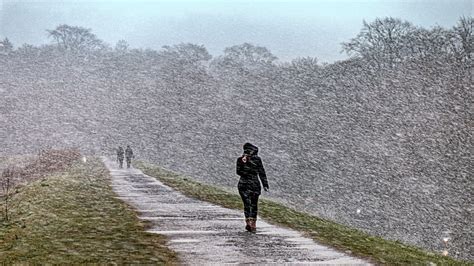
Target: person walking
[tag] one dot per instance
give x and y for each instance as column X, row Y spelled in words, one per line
column 129, row 155
column 120, row 153
column 251, row 172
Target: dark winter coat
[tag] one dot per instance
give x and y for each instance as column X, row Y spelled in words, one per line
column 250, row 169
column 120, row 153
column 128, row 153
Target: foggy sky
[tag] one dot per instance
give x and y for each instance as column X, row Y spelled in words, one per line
column 288, row 28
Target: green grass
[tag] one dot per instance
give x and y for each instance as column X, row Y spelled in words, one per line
column 73, row 217
column 376, row 249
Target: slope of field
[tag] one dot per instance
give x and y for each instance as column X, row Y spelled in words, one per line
column 74, row 217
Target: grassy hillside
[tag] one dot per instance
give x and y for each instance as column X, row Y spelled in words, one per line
column 341, row 237
column 73, row 217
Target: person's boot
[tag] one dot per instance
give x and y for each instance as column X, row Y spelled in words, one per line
column 253, row 224
column 248, row 227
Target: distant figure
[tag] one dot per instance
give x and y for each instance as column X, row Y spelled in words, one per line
column 250, row 169
column 129, row 155
column 120, row 153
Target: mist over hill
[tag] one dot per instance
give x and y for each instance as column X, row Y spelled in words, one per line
column 388, row 131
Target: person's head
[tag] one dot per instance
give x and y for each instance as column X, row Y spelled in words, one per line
column 250, row 149
column 128, row 146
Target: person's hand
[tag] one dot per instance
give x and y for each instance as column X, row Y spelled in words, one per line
column 266, row 189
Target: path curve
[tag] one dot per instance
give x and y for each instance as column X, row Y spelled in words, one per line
column 204, row 233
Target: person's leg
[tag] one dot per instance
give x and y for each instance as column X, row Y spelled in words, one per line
column 121, row 163
column 128, row 162
column 254, row 205
column 253, row 210
column 246, row 200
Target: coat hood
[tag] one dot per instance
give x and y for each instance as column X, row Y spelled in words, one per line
column 250, row 149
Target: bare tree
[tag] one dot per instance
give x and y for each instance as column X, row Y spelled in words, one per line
column 121, row 46
column 384, row 41
column 250, row 54
column 463, row 40
column 6, row 46
column 302, row 71
column 430, row 44
column 184, row 64
column 244, row 59
column 75, row 38
column 185, row 53
column 305, row 64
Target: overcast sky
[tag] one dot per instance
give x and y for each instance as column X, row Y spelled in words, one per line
column 288, row 28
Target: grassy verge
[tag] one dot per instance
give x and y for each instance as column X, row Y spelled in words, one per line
column 73, row 217
column 344, row 238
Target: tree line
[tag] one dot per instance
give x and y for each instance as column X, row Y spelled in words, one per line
column 384, row 42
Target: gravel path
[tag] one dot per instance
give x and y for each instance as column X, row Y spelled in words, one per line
column 203, row 233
